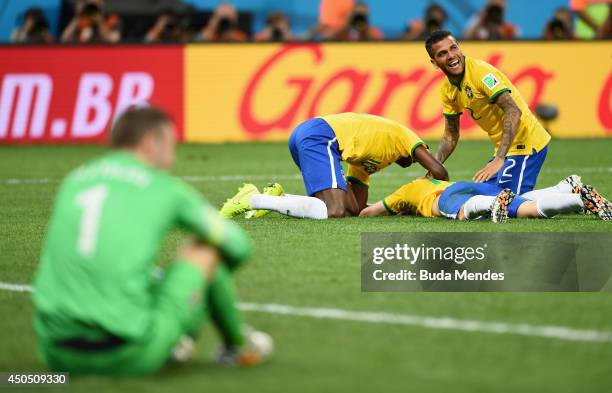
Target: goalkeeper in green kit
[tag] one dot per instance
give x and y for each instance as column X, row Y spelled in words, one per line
column 98, row 307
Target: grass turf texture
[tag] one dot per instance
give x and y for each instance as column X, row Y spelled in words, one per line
column 316, row 263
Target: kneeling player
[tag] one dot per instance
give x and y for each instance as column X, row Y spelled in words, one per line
column 468, row 201
column 368, row 143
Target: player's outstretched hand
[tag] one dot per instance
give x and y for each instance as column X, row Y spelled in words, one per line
column 489, row 170
column 428, row 175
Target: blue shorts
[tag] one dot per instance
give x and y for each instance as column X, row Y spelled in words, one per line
column 455, row 196
column 520, row 173
column 315, row 150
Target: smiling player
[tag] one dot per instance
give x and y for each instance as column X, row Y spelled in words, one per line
column 521, row 143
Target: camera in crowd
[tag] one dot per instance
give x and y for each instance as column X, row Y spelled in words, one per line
column 435, row 18
column 36, row 27
column 494, row 15
column 225, row 24
column 558, row 29
column 359, row 21
column 278, row 23
column 560, row 26
column 90, row 14
column 175, row 27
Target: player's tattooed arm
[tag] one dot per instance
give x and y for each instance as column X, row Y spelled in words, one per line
column 449, row 139
column 512, row 117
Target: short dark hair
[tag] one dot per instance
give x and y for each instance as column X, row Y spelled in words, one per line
column 133, row 124
column 435, row 37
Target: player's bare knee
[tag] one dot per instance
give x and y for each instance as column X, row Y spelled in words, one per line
column 335, row 211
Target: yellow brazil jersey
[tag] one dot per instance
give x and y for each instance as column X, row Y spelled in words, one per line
column 370, row 143
column 477, row 91
column 416, row 198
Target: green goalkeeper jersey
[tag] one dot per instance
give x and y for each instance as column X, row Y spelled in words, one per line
column 109, row 220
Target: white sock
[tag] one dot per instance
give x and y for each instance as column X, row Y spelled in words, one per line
column 477, row 206
column 561, row 188
column 559, row 203
column 294, row 206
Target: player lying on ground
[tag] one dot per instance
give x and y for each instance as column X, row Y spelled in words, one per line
column 469, row 201
column 521, row 142
column 97, row 307
column 368, row 143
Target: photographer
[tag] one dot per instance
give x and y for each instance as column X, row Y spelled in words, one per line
column 491, row 25
column 435, row 18
column 358, row 26
column 170, row 27
column 35, row 29
column 223, row 26
column 560, row 26
column 277, row 29
column 90, row 25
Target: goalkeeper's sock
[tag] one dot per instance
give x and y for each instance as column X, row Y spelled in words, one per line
column 558, row 204
column 477, row 206
column 221, row 301
column 294, row 205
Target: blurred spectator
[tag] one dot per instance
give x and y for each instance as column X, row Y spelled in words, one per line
column 560, row 26
column 434, row 19
column 35, row 29
column 490, row 24
column 333, row 15
column 277, row 29
column 593, row 18
column 90, row 25
column 170, row 27
column 358, row 26
column 223, row 26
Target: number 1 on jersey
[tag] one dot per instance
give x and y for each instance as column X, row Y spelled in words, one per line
column 91, row 201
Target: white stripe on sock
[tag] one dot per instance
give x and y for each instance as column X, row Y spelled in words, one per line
column 331, row 163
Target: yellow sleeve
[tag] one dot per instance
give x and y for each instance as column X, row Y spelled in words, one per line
column 449, row 103
column 358, row 175
column 490, row 81
column 414, row 141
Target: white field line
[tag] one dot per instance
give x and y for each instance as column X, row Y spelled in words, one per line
column 7, row 286
column 464, row 325
column 271, row 177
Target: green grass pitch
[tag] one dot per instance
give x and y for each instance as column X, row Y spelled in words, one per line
column 317, row 264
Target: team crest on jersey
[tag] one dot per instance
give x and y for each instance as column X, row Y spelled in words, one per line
column 468, row 91
column 490, row 81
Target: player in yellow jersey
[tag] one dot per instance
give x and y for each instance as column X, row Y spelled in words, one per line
column 368, row 143
column 466, row 201
column 521, row 143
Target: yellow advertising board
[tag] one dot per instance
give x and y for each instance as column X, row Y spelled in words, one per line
column 260, row 92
